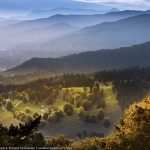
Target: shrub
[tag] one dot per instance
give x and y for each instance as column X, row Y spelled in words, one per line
column 84, row 132
column 19, row 114
column 106, row 122
column 25, row 120
column 69, row 112
column 76, row 96
column 9, row 106
column 53, row 118
column 16, row 113
column 93, row 134
column 35, row 115
column 27, row 110
column 92, row 119
column 86, row 118
column 100, row 114
column 45, row 116
column 59, row 113
column 68, row 106
column 60, row 87
column 29, row 117
column 96, row 134
column 81, row 111
column 99, row 134
column 79, row 134
column 4, row 102
column 85, row 105
column 24, row 100
column 78, row 103
column 21, row 118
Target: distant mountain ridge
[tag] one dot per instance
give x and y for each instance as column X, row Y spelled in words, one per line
column 91, row 61
column 73, row 20
column 35, row 34
column 125, row 32
column 35, row 14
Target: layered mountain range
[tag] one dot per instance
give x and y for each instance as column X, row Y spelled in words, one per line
column 137, row 55
column 62, row 35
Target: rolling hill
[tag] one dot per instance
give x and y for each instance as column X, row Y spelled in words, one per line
column 90, row 61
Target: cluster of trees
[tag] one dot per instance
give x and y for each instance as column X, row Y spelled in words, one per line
column 66, row 80
column 43, row 89
column 131, row 134
column 130, row 91
column 85, row 99
column 99, row 116
column 68, row 109
column 84, row 134
column 48, row 94
column 27, row 115
column 7, row 104
column 126, row 136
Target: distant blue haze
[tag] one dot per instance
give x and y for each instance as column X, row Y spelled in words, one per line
column 22, row 7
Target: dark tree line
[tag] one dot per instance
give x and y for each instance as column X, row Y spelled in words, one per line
column 130, row 91
column 38, row 89
column 123, row 74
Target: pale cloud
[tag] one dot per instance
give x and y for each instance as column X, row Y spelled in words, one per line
column 130, row 2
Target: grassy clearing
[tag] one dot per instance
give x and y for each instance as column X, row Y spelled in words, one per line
column 69, row 125
column 6, row 118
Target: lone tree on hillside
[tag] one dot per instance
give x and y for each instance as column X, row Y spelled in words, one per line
column 100, row 114
column 85, row 104
column 67, row 107
column 9, row 106
column 106, row 122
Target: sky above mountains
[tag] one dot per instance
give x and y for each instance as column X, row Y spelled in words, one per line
column 22, row 7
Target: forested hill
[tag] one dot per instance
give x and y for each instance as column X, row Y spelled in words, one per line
column 92, row 61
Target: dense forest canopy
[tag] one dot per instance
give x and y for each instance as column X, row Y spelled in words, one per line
column 123, row 74
column 66, row 80
column 130, row 84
